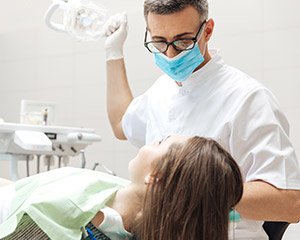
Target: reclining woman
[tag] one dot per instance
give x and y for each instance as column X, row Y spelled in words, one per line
column 181, row 188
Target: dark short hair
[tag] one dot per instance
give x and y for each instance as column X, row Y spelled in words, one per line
column 164, row 7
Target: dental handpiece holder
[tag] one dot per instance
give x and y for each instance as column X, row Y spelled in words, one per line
column 19, row 141
column 82, row 19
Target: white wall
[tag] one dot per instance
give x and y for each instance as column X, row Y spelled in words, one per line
column 260, row 37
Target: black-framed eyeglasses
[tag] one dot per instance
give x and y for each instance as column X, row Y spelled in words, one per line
column 182, row 44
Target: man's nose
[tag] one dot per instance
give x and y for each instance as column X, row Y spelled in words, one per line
column 171, row 52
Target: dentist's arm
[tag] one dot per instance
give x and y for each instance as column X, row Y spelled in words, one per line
column 262, row 201
column 119, row 94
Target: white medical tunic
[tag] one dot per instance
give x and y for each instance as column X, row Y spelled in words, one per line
column 223, row 103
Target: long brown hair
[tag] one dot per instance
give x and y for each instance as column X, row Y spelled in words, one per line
column 198, row 182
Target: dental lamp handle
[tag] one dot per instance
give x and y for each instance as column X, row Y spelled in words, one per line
column 54, row 6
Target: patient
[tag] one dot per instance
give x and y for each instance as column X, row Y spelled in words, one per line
column 181, row 188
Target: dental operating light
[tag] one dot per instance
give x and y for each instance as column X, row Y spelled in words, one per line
column 82, row 19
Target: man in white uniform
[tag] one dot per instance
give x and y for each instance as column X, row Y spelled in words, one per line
column 200, row 95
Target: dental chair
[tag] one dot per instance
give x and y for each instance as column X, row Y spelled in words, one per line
column 28, row 229
column 275, row 230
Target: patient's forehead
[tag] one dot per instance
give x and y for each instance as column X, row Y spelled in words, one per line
column 164, row 144
column 175, row 139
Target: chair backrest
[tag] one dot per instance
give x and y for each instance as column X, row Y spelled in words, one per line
column 275, row 230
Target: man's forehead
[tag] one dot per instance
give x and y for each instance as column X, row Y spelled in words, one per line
column 173, row 24
column 187, row 15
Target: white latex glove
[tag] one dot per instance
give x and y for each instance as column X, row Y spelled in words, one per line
column 115, row 30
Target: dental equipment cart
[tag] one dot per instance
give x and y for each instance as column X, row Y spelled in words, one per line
column 25, row 141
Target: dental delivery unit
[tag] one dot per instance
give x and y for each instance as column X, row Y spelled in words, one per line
column 25, row 141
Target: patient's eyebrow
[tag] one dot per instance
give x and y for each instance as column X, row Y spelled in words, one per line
column 164, row 139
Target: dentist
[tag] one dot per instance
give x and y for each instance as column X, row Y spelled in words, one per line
column 200, row 95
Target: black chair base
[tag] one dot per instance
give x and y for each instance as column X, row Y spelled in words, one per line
column 275, row 230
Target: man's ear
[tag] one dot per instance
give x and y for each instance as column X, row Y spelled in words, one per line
column 149, row 179
column 209, row 29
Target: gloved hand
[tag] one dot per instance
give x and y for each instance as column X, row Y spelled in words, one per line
column 115, row 29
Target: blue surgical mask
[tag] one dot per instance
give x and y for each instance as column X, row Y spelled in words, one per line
column 181, row 66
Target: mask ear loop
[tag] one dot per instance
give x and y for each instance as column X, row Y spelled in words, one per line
column 200, row 35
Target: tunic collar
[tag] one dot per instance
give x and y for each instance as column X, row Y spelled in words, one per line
column 203, row 74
